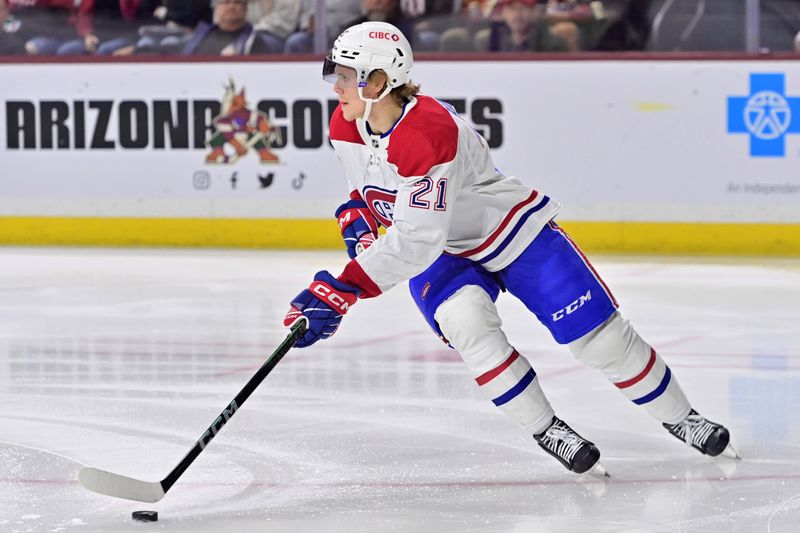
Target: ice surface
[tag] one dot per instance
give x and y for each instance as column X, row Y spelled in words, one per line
column 120, row 359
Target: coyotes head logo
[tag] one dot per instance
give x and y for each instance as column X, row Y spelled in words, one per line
column 238, row 129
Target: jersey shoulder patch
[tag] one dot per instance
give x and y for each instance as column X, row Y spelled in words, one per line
column 344, row 131
column 427, row 137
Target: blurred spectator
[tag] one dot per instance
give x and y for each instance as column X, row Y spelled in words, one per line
column 184, row 13
column 629, row 30
column 384, row 11
column 780, row 20
column 274, row 20
column 431, row 19
column 337, row 14
column 10, row 41
column 797, row 42
column 230, row 34
column 80, row 27
column 109, row 25
column 522, row 28
column 564, row 17
column 472, row 31
column 177, row 19
column 41, row 26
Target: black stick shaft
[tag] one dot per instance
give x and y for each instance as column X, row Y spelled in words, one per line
column 297, row 331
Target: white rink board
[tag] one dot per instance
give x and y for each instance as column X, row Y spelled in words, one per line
column 613, row 141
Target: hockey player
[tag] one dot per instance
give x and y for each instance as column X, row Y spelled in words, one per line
column 461, row 232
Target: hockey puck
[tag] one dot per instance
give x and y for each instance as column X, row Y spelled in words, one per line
column 145, row 516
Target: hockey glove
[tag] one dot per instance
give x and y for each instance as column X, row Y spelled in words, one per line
column 322, row 305
column 359, row 228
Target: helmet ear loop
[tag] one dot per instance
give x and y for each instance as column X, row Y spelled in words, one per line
column 370, row 101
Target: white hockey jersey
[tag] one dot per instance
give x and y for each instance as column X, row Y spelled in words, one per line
column 431, row 181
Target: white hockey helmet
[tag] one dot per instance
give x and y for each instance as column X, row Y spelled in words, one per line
column 367, row 47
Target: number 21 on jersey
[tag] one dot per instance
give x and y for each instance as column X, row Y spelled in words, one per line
column 423, row 188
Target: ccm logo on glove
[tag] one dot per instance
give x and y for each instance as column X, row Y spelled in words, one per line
column 359, row 228
column 292, row 315
column 322, row 304
column 340, row 302
column 345, row 219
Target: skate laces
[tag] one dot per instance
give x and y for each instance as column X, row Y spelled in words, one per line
column 562, row 440
column 694, row 430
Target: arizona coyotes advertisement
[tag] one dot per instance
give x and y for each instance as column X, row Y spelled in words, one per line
column 228, row 140
column 239, row 129
column 686, row 141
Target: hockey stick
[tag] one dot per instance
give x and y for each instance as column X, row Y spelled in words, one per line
column 119, row 486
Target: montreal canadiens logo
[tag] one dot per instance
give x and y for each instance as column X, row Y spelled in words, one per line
column 384, row 35
column 381, row 203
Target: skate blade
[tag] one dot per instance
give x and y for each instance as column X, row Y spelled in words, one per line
column 730, row 453
column 598, row 471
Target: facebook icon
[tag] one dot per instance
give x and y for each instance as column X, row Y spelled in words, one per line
column 766, row 114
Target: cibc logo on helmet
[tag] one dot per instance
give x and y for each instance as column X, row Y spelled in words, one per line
column 384, row 35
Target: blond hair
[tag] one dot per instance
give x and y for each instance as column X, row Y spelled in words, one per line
column 404, row 92
column 401, row 93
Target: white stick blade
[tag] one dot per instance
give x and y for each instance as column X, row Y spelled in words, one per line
column 119, row 486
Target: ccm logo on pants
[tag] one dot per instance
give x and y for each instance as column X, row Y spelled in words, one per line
column 571, row 308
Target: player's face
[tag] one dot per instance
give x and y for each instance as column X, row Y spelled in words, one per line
column 346, row 88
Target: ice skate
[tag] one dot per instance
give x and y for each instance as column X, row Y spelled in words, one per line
column 573, row 451
column 703, row 435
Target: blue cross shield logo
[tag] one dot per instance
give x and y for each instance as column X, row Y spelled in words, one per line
column 767, row 115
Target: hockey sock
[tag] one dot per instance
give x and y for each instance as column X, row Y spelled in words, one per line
column 469, row 321
column 634, row 367
column 514, row 387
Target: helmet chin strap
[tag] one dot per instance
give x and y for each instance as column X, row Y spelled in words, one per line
column 370, row 101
